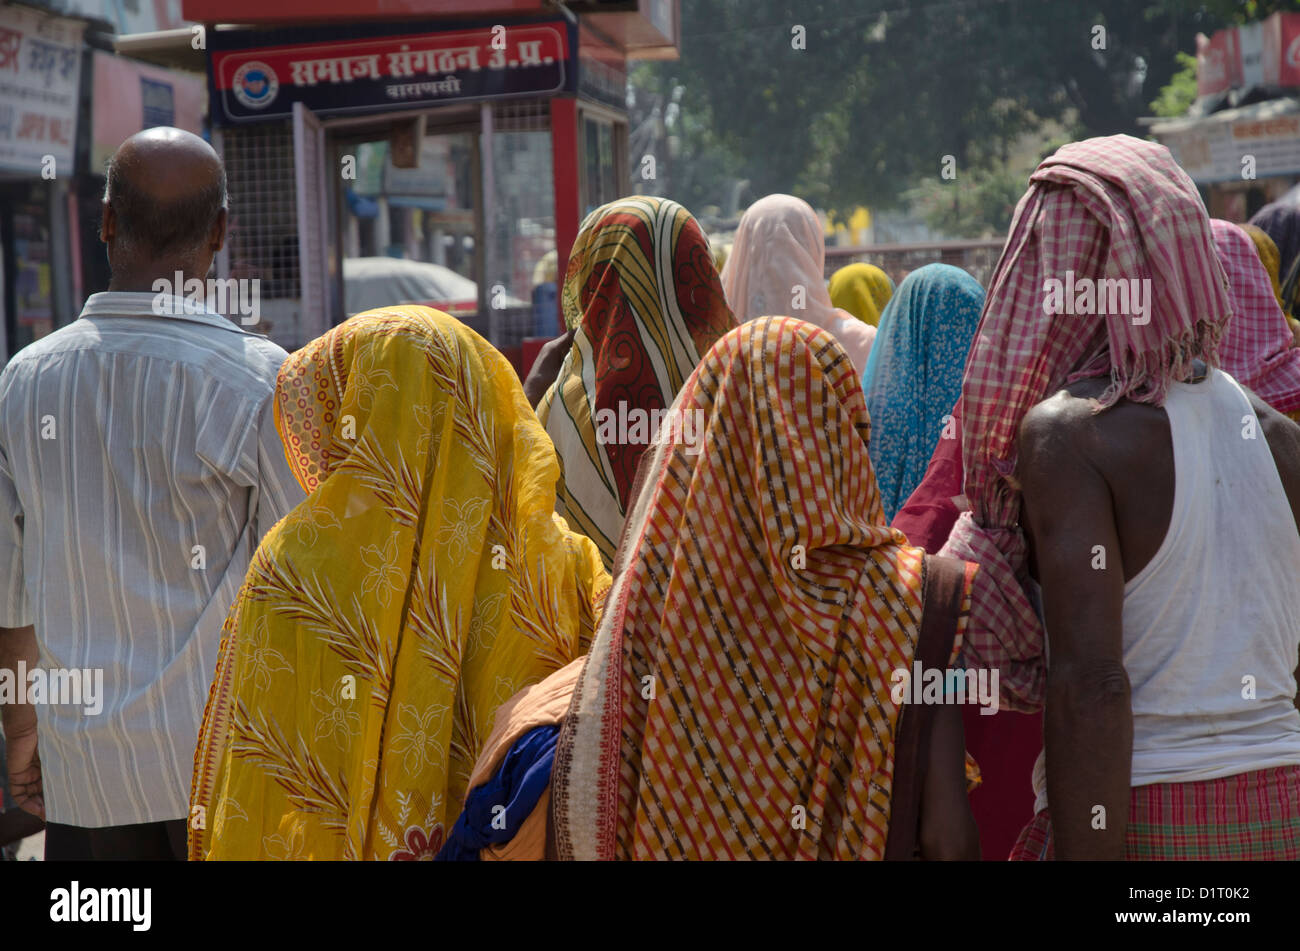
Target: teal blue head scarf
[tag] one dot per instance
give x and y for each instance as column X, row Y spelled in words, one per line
column 913, row 376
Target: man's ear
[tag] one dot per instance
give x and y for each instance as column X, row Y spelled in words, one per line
column 219, row 231
column 107, row 223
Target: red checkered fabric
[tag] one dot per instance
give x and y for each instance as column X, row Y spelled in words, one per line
column 1104, row 209
column 1249, row 816
column 1258, row 348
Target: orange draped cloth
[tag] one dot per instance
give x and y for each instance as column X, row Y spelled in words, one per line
column 737, row 699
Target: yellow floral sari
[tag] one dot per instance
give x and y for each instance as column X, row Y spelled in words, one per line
column 423, row 582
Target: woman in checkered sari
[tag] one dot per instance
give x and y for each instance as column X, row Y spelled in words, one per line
column 740, row 699
column 761, row 609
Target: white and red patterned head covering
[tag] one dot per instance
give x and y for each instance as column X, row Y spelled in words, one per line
column 1114, row 208
column 646, row 302
column 1258, row 348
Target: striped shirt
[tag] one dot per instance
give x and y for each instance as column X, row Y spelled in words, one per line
column 139, row 468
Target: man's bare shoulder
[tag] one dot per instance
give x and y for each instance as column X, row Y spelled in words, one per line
column 1065, row 413
column 1086, row 472
column 1068, row 423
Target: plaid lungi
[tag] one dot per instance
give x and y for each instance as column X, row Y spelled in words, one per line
column 1253, row 815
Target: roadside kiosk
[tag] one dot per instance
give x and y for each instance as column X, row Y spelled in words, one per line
column 455, row 143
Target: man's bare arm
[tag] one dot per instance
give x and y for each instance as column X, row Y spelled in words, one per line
column 1089, row 722
column 547, row 366
column 19, row 719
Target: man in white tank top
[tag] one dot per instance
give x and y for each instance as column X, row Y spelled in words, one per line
column 1166, row 544
column 1154, row 502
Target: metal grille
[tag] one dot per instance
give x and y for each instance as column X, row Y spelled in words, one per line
column 263, row 235
column 519, row 221
column 520, row 224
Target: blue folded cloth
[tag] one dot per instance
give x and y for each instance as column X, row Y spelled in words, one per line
column 517, row 785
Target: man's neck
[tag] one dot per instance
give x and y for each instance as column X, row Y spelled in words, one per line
column 146, row 280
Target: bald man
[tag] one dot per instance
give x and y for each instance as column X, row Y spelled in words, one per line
column 139, row 468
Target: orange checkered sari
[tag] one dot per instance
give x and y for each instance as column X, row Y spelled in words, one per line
column 736, row 701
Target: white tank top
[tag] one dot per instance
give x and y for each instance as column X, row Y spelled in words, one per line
column 1212, row 623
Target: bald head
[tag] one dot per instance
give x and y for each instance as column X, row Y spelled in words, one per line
column 164, row 200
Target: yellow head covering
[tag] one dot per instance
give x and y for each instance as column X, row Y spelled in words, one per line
column 1271, row 258
column 863, row 290
column 423, row 582
column 545, row 270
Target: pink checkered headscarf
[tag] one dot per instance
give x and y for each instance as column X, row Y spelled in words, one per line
column 1104, row 209
column 1258, row 348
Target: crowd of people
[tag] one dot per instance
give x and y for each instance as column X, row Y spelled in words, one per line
column 753, row 564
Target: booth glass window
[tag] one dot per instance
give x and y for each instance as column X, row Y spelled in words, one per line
column 522, row 290
column 600, row 165
column 453, row 207
column 262, row 230
column 409, row 235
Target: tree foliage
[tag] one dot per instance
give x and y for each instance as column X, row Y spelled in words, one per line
column 858, row 102
column 1177, row 97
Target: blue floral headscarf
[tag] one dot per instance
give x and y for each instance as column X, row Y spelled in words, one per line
column 913, row 377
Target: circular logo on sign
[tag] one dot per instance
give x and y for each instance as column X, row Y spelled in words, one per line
column 1293, row 54
column 255, row 85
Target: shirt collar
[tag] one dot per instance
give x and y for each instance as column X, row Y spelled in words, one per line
column 149, row 304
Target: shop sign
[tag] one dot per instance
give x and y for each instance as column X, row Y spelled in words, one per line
column 40, row 67
column 254, row 80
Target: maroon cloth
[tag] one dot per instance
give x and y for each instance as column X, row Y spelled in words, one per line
column 1005, row 744
column 929, row 513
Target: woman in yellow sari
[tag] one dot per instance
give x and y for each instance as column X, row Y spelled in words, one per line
column 424, row 580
